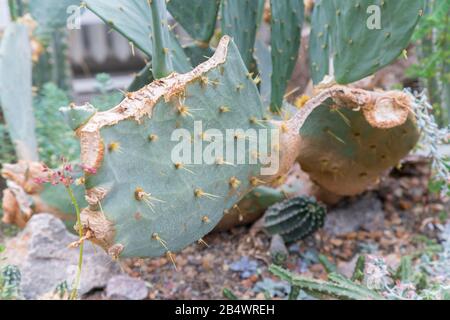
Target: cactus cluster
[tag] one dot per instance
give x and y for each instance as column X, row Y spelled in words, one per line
column 295, row 219
column 141, row 203
column 353, row 52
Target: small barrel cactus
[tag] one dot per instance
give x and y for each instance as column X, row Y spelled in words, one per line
column 295, row 219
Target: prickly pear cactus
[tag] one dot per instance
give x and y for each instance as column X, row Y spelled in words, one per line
column 286, row 23
column 197, row 54
column 353, row 39
column 16, row 90
column 162, row 64
column 134, row 20
column 131, row 18
column 263, row 60
column 240, row 19
column 50, row 15
column 198, row 17
column 10, row 279
column 142, row 78
column 75, row 118
column 141, row 202
column 349, row 137
column 253, row 205
column 295, row 219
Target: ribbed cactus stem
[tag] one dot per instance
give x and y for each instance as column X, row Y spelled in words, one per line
column 161, row 55
column 337, row 286
column 295, row 219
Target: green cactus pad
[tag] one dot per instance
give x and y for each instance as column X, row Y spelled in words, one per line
column 143, row 204
column 75, row 118
column 349, row 137
column 286, row 24
column 295, row 219
column 142, row 78
column 50, row 14
column 347, row 33
column 133, row 20
column 162, row 64
column 16, row 90
column 240, row 20
column 198, row 17
column 59, row 202
column 197, row 54
column 264, row 63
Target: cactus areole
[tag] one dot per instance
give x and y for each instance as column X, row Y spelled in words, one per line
column 143, row 204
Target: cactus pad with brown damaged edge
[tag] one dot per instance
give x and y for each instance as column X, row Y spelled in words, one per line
column 143, row 204
column 349, row 137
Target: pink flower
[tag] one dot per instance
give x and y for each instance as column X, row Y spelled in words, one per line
column 88, row 169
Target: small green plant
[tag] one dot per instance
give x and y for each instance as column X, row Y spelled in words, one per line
column 336, row 287
column 433, row 68
column 228, row 294
column 56, row 139
column 432, row 138
column 10, row 279
column 65, row 177
column 418, row 277
column 106, row 96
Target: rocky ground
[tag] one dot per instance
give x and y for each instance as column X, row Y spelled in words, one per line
column 399, row 217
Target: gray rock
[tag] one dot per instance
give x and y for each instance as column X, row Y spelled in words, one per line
column 124, row 287
column 364, row 213
column 41, row 253
column 347, row 268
